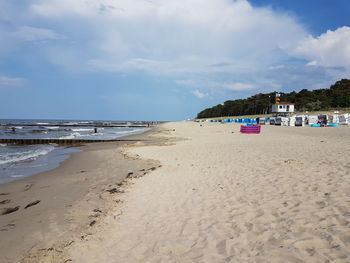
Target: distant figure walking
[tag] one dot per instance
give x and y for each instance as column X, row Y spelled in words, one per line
column 13, row 129
column 95, row 130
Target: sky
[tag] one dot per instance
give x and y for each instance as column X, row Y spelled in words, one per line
column 160, row 59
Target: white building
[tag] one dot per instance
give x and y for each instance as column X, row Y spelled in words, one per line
column 283, row 107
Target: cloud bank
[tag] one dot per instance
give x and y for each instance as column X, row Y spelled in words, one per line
column 331, row 49
column 209, row 45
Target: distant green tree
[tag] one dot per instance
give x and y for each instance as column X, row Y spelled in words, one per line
column 340, row 93
column 337, row 96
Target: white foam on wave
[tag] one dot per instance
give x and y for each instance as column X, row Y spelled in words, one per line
column 79, row 135
column 52, row 127
column 42, row 123
column 93, row 134
column 90, row 134
column 71, row 136
column 16, row 175
column 25, row 156
column 71, row 123
column 123, row 132
column 81, row 129
column 3, row 144
column 131, row 131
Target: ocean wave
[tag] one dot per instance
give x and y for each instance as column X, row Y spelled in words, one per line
column 82, row 129
column 70, row 123
column 75, row 135
column 3, row 144
column 16, row 175
column 124, row 132
column 52, row 127
column 93, row 134
column 90, row 134
column 70, row 136
column 25, row 156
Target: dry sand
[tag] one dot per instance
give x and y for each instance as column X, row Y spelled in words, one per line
column 222, row 196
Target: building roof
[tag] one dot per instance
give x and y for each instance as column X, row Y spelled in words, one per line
column 284, row 103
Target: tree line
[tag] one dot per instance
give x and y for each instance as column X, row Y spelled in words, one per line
column 337, row 96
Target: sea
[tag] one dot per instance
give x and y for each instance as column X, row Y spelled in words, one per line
column 19, row 161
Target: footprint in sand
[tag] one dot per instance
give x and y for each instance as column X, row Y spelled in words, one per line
column 7, row 227
column 8, row 210
column 28, row 186
column 321, row 204
column 32, row 203
column 115, row 191
column 6, row 201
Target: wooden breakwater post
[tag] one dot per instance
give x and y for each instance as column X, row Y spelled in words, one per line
column 56, row 141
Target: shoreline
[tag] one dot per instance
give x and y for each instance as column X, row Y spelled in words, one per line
column 212, row 194
column 64, row 199
column 60, row 153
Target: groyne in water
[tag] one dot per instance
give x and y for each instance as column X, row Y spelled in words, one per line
column 58, row 141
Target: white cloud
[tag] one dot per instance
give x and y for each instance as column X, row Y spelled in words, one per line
column 331, row 49
column 27, row 33
column 199, row 95
column 171, row 37
column 208, row 84
column 226, row 45
column 312, row 63
column 239, row 86
column 7, row 81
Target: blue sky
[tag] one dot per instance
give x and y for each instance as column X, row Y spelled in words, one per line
column 163, row 60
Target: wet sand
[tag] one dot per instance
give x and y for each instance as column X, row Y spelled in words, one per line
column 62, row 203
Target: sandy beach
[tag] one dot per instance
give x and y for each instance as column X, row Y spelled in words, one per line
column 63, row 203
column 200, row 194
